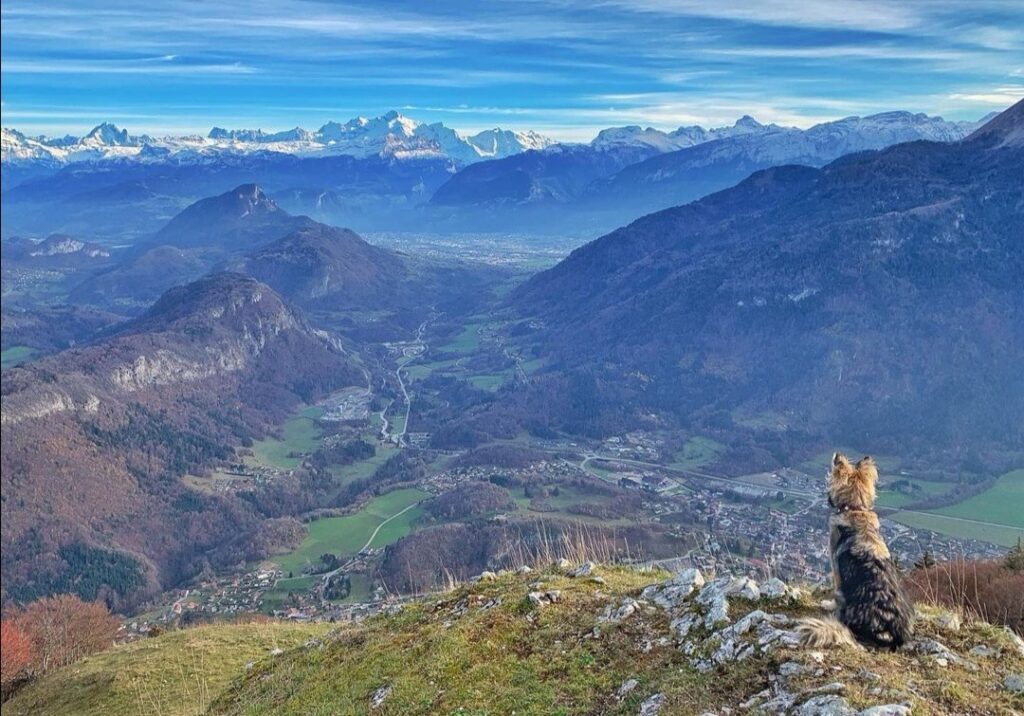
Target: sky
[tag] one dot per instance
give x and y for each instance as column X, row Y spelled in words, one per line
column 565, row 68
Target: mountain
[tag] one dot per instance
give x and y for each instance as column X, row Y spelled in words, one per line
column 620, row 641
column 600, row 185
column 55, row 247
column 96, row 439
column 319, row 263
column 237, row 220
column 875, row 300
column 721, row 161
column 200, row 237
column 391, row 135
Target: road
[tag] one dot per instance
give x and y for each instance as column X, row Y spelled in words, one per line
column 410, row 352
column 327, row 577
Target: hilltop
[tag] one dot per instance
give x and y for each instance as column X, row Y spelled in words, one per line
column 567, row 640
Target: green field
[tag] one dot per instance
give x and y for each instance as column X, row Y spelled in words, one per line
column 466, row 342
column 488, row 381
column 345, row 536
column 1005, row 536
column 1002, row 503
column 364, row 468
column 925, row 488
column 697, row 452
column 299, row 434
column 15, row 355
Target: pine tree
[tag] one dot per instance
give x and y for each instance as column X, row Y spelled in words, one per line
column 1015, row 557
column 925, row 561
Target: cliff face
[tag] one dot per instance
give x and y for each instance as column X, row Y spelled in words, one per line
column 97, row 438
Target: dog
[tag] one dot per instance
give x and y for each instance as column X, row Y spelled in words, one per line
column 871, row 608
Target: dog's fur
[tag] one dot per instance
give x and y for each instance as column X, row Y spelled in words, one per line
column 871, row 606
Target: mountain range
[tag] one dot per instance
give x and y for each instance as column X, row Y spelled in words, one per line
column 874, row 300
column 96, row 438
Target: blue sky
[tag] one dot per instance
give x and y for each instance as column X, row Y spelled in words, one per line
column 562, row 67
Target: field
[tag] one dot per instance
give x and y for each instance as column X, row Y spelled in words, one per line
column 466, row 342
column 15, row 355
column 1002, row 503
column 177, row 674
column 299, row 434
column 364, row 468
column 345, row 536
column 697, row 452
column 925, row 488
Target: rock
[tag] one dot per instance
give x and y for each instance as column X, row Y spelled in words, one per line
column 563, row 564
column 625, row 610
column 276, row 651
column 886, row 710
column 984, row 651
column 524, row 570
column 791, row 668
column 717, row 614
column 584, row 570
column 377, row 697
column 652, row 706
column 313, row 644
column 627, row 686
column 1014, row 683
column 249, row 665
column 485, row 577
column 553, row 595
column 777, row 589
column 836, row 687
column 681, row 627
column 673, row 593
column 1015, row 639
column 827, row 705
column 948, row 621
column 539, row 599
column 598, row 580
column 748, row 590
column 939, row 651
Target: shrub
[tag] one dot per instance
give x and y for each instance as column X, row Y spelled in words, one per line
column 986, row 590
column 16, row 658
column 64, row 629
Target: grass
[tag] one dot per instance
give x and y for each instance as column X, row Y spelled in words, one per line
column 1004, row 536
column 488, row 381
column 466, row 342
column 345, row 536
column 924, row 488
column 176, row 674
column 300, row 435
column 345, row 474
column 15, row 355
column 1002, row 503
column 484, row 649
column 697, row 452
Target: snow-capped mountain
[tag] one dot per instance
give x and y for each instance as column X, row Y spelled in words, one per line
column 681, row 138
column 391, row 135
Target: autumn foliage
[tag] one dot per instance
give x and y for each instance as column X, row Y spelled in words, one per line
column 50, row 633
column 992, row 591
column 16, row 657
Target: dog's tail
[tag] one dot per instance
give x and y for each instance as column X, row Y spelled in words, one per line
column 823, row 633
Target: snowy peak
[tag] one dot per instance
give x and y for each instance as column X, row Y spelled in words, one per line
column 108, row 135
column 680, row 138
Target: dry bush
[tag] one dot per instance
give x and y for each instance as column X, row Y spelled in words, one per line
column 64, row 629
column 983, row 590
column 16, row 658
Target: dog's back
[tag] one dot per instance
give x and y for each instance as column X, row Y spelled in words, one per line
column 869, row 597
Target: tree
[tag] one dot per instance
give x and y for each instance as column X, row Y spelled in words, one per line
column 925, row 561
column 15, row 658
column 64, row 629
column 1015, row 557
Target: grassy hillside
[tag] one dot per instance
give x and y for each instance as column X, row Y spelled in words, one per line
column 614, row 641
column 176, row 674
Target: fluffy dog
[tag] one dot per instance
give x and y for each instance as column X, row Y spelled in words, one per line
column 871, row 606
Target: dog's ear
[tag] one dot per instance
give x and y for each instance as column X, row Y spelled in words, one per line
column 839, row 460
column 866, row 467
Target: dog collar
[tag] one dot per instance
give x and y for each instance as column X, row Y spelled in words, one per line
column 849, row 508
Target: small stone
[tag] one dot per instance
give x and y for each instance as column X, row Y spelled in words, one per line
column 627, row 686
column 537, row 599
column 377, row 697
column 249, row 665
column 553, row 595
column 524, row 570
column 681, row 627
column 652, row 706
column 596, row 579
column 836, row 687
column 791, row 668
column 563, row 564
column 826, row 705
column 1014, row 683
column 485, row 577
column 948, row 621
column 817, row 656
column 984, row 651
column 276, row 651
column 886, row 710
column 774, row 588
column 1015, row 639
column 583, row 570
